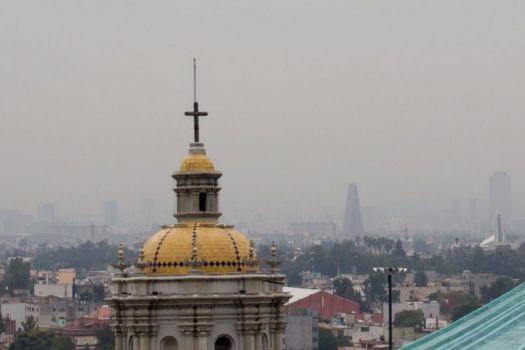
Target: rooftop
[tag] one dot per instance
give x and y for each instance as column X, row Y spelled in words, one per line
column 499, row 324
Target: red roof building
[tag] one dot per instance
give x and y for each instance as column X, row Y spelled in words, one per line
column 325, row 303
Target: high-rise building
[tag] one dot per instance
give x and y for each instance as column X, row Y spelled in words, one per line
column 46, row 212
column 473, row 219
column 352, row 222
column 500, row 200
column 149, row 211
column 110, row 213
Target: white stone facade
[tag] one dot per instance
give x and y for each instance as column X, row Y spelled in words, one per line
column 199, row 312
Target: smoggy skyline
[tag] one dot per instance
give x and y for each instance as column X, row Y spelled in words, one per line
column 415, row 101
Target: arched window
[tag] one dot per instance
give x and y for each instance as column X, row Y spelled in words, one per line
column 223, row 343
column 202, row 201
column 169, row 343
column 265, row 344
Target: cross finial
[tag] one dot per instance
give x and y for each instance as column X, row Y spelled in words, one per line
column 195, row 113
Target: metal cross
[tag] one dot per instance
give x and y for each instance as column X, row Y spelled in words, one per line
column 195, row 113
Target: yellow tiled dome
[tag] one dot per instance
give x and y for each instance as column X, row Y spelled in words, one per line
column 197, row 163
column 209, row 248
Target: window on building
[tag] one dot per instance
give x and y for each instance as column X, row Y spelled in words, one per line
column 202, row 201
column 223, row 343
column 169, row 343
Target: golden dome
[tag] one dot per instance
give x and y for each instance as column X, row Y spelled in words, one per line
column 194, row 163
column 209, row 248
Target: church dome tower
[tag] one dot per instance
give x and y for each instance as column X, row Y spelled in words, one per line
column 197, row 284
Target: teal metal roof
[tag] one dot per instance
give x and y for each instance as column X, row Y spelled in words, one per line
column 497, row 325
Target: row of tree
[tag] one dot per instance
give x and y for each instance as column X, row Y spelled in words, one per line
column 357, row 256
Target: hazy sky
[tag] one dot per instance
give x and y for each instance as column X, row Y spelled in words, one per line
column 413, row 100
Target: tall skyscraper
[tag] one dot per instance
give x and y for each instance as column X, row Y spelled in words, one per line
column 46, row 212
column 500, row 200
column 473, row 219
column 149, row 211
column 352, row 222
column 110, row 213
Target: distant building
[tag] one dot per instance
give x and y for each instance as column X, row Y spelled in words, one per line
column 56, row 290
column 429, row 308
column 19, row 312
column 314, row 228
column 149, row 212
column 352, row 222
column 473, row 217
column 46, row 213
column 500, row 200
column 110, row 213
column 302, row 332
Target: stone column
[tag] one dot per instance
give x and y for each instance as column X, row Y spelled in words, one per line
column 258, row 341
column 144, row 341
column 187, row 339
column 249, row 343
column 119, row 341
column 202, row 341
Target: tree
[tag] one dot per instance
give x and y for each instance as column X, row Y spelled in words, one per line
column 465, row 309
column 420, row 278
column 409, row 318
column 41, row 340
column 398, row 249
column 17, row 275
column 375, row 288
column 29, row 324
column 454, row 301
column 328, row 341
column 105, row 338
column 500, row 286
column 344, row 288
column 2, row 324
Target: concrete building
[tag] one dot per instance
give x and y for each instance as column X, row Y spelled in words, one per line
column 352, row 222
column 197, row 284
column 302, row 330
column 19, row 312
column 66, row 276
column 56, row 290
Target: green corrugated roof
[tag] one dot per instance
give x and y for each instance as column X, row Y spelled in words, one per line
column 497, row 325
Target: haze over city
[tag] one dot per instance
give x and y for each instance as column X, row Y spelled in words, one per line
column 417, row 102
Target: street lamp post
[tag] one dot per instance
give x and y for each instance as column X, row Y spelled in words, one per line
column 390, row 271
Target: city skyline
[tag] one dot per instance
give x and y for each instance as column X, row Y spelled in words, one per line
column 113, row 92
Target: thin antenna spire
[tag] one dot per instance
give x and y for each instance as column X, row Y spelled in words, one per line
column 194, row 79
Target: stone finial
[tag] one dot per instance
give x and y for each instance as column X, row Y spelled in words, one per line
column 121, row 259
column 273, row 262
column 141, row 263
